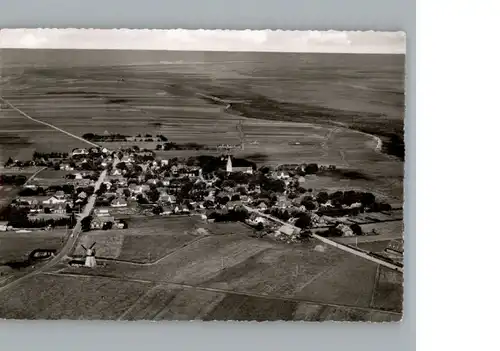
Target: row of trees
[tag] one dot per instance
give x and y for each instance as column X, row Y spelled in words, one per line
column 103, row 138
column 15, row 179
column 18, row 218
column 335, row 231
column 38, row 155
column 175, row 146
column 236, row 215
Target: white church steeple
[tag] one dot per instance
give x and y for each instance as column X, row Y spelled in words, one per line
column 229, row 165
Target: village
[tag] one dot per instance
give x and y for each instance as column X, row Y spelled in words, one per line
column 216, row 188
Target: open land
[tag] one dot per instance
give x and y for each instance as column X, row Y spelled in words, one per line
column 161, row 98
column 283, row 109
column 209, row 276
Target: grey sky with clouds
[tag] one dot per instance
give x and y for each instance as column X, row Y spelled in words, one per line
column 206, row 40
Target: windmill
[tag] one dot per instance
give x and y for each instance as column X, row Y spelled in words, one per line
column 90, row 256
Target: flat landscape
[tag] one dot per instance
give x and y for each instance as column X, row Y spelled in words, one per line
column 209, row 276
column 105, row 94
column 336, row 110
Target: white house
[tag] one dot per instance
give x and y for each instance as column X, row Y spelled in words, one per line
column 79, row 152
column 346, row 230
column 283, row 175
column 78, row 176
column 100, row 212
column 119, row 202
column 53, row 201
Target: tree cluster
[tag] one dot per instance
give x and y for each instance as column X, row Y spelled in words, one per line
column 15, row 179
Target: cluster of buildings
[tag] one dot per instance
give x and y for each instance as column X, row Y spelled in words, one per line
column 139, row 182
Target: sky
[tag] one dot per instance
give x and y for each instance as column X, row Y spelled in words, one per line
column 206, row 40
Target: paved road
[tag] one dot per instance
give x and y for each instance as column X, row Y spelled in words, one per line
column 250, row 209
column 70, row 242
column 47, row 124
column 34, row 175
column 75, row 233
column 332, row 243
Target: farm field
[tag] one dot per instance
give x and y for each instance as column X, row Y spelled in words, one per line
column 63, row 297
column 147, row 241
column 341, row 110
column 7, row 194
column 160, row 98
column 237, row 264
column 140, row 300
column 17, row 246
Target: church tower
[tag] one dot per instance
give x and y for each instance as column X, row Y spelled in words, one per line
column 229, row 165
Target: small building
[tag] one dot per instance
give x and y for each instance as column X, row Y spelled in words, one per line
column 345, row 229
column 171, row 199
column 79, row 152
column 119, row 202
column 53, row 201
column 98, row 222
column 59, row 209
column 101, row 212
column 59, row 194
column 3, row 226
column 78, row 176
column 288, row 229
column 283, row 175
column 262, row 206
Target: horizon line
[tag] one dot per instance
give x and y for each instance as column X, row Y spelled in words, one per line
column 216, row 40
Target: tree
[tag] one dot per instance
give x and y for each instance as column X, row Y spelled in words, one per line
column 142, row 200
column 367, row 199
column 68, row 188
column 259, row 226
column 107, row 225
column 385, row 207
column 154, row 195
column 159, row 147
column 301, row 190
column 9, row 162
column 356, row 229
column 224, row 200
column 311, row 168
column 86, row 223
column 157, row 210
column 332, row 232
column 69, row 209
column 304, row 221
column 46, row 210
column 235, row 197
column 309, row 205
column 322, row 197
column 102, row 189
column 265, row 170
column 336, row 196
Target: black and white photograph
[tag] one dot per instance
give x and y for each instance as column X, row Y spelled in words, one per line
column 178, row 175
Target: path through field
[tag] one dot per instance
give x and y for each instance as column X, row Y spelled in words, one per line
column 47, row 124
